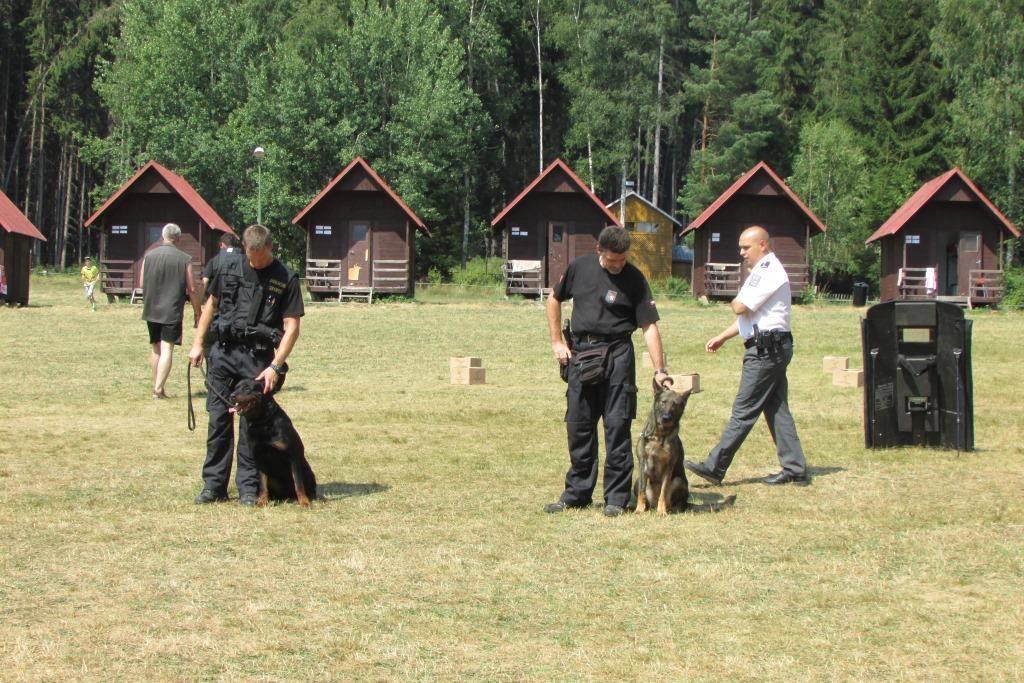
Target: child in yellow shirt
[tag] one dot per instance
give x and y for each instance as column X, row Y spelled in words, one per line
column 90, row 275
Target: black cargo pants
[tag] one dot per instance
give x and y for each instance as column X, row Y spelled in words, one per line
column 229, row 363
column 614, row 401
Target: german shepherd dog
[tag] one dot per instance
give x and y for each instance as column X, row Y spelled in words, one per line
column 276, row 448
column 659, row 455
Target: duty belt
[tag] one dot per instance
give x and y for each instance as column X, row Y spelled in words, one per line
column 779, row 335
column 602, row 338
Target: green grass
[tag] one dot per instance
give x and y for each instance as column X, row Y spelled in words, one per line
column 431, row 558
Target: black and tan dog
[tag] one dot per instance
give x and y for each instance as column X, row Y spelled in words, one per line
column 276, row 448
column 659, row 455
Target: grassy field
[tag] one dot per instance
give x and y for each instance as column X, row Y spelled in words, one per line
column 431, row 557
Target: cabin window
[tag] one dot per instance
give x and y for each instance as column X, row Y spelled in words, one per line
column 322, row 230
column 118, row 229
column 970, row 243
column 359, row 232
column 913, row 239
column 556, row 233
column 716, row 237
column 645, row 226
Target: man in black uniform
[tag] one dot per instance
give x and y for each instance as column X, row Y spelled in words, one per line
column 230, row 248
column 611, row 298
column 257, row 304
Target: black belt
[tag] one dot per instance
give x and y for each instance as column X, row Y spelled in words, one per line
column 602, row 338
column 780, row 335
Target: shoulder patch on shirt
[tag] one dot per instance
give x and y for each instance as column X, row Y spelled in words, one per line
column 754, row 279
column 765, row 264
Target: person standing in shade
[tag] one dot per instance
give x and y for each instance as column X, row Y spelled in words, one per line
column 230, row 248
column 90, row 276
column 762, row 310
column 252, row 316
column 166, row 280
column 611, row 299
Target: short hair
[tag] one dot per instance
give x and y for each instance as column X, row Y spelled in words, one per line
column 229, row 239
column 88, row 258
column 613, row 238
column 256, row 236
column 171, row 232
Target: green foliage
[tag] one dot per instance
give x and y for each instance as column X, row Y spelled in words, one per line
column 1014, row 279
column 671, row 288
column 479, row 271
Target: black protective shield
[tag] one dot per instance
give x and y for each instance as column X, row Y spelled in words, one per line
column 917, row 375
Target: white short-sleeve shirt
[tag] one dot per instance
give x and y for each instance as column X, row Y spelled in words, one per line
column 767, row 294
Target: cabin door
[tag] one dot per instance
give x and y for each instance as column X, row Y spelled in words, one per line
column 558, row 251
column 968, row 259
column 357, row 270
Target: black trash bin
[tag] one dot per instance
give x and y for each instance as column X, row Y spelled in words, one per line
column 860, row 293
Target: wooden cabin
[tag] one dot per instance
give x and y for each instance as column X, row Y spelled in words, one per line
column 132, row 220
column 360, row 237
column 552, row 221
column 944, row 243
column 650, row 235
column 758, row 197
column 16, row 235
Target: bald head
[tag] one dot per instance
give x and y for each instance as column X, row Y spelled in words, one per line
column 754, row 244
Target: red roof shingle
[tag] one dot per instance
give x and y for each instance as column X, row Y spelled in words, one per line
column 557, row 164
column 13, row 220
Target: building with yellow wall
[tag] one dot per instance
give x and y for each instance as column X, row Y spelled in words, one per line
column 650, row 231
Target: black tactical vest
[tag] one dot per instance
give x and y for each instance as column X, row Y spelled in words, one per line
column 242, row 317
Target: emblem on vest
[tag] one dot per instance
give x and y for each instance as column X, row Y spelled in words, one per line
column 610, row 296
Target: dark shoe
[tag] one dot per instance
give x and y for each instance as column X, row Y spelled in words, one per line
column 785, row 477
column 613, row 510
column 560, row 506
column 207, row 496
column 702, row 472
column 247, row 499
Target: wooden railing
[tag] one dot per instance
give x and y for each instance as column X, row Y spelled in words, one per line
column 323, row 275
column 117, row 276
column 987, row 286
column 912, row 284
column 799, row 277
column 523, row 277
column 721, row 279
column 391, row 275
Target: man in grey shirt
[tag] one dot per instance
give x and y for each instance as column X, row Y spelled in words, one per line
column 166, row 280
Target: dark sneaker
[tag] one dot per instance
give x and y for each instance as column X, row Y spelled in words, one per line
column 613, row 510
column 785, row 477
column 560, row 506
column 247, row 499
column 702, row 472
column 207, row 496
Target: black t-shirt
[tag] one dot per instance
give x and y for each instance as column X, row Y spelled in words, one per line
column 604, row 303
column 211, row 266
column 282, row 297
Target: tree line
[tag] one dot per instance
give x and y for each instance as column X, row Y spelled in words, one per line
column 460, row 103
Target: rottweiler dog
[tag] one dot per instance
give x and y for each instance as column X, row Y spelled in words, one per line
column 276, row 448
column 659, row 455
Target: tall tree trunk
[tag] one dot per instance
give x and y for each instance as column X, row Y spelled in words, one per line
column 706, row 123
column 655, row 173
column 31, row 159
column 622, row 193
column 81, row 212
column 576, row 16
column 67, row 213
column 540, row 92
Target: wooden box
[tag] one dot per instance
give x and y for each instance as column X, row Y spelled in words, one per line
column 833, row 363
column 848, row 378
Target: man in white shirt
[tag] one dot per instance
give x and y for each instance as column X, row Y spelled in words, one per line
column 762, row 310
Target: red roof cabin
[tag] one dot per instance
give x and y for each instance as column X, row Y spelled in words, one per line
column 552, row 221
column 16, row 235
column 360, row 238
column 944, row 243
column 758, row 197
column 132, row 219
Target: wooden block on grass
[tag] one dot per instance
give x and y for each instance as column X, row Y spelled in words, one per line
column 680, row 383
column 465, row 362
column 833, row 363
column 848, row 378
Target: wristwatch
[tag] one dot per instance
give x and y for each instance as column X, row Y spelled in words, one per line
column 661, row 370
column 279, row 369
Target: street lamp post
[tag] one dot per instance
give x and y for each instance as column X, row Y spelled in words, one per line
column 259, row 153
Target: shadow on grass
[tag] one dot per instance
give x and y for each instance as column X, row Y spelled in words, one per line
column 336, row 490
column 709, row 502
column 815, row 472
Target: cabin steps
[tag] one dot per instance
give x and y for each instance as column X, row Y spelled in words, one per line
column 361, row 294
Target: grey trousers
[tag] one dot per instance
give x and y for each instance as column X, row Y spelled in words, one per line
column 763, row 389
